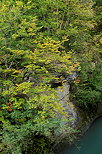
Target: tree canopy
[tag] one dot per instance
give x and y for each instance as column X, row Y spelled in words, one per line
column 43, row 42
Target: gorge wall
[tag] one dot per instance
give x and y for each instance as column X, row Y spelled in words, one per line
column 81, row 119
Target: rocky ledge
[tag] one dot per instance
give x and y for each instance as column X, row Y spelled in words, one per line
column 81, row 120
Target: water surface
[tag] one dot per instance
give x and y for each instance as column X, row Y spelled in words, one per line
column 90, row 143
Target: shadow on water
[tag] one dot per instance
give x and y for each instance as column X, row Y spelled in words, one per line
column 90, row 143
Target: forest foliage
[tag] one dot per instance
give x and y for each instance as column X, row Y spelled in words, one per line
column 43, row 42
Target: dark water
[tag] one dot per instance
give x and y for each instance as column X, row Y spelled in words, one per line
column 90, row 143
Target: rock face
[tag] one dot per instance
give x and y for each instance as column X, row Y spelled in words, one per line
column 86, row 118
column 70, row 109
column 81, row 119
column 63, row 94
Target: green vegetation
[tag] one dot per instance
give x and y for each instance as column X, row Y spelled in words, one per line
column 42, row 42
column 89, row 91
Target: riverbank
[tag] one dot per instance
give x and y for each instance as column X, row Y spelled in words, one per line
column 85, row 120
column 90, row 142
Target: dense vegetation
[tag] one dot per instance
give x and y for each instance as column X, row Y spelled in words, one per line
column 42, row 43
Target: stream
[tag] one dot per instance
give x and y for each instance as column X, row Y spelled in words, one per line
column 90, row 143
